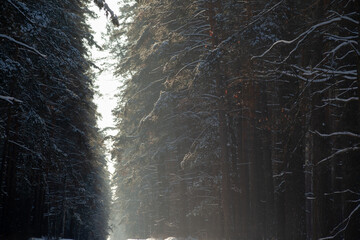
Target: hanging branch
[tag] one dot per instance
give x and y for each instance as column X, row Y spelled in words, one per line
column 103, row 5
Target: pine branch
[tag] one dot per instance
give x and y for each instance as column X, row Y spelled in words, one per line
column 22, row 44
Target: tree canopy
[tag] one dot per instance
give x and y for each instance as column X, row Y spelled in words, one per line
column 238, row 119
column 53, row 177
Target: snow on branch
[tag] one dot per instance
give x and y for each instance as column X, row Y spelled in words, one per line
column 337, row 134
column 26, row 148
column 102, row 4
column 22, row 44
column 148, row 86
column 341, row 99
column 345, row 221
column 344, row 150
column 347, row 17
column 342, row 192
column 22, row 13
column 10, row 99
column 188, row 65
column 346, row 42
column 258, row 17
column 300, row 38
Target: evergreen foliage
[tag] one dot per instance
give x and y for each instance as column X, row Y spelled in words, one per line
column 238, row 119
column 53, row 177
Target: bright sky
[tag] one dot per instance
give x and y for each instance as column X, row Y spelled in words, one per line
column 107, row 87
column 107, row 84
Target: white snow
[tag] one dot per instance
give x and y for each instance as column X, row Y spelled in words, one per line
column 10, row 99
column 169, row 238
column 45, row 238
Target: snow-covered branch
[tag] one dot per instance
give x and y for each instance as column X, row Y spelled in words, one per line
column 102, row 4
column 342, row 192
column 340, row 230
column 344, row 150
column 300, row 38
column 26, row 148
column 188, row 65
column 258, row 17
column 350, row 134
column 10, row 99
column 22, row 44
column 22, row 13
column 341, row 99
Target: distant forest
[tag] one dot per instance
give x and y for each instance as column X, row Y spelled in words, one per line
column 237, row 120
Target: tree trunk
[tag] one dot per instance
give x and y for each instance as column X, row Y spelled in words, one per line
column 223, row 124
column 309, row 181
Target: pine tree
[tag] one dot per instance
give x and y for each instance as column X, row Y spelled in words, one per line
column 52, row 177
column 238, row 120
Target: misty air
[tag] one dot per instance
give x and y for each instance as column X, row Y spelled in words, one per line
column 179, row 120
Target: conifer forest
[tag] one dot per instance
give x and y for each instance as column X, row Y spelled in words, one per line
column 235, row 120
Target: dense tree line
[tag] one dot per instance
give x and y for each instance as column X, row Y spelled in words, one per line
column 53, row 177
column 238, row 119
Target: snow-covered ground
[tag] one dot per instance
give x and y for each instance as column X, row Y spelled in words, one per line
column 169, row 238
column 45, row 238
